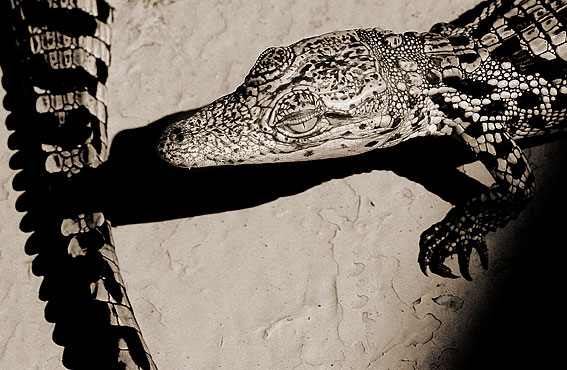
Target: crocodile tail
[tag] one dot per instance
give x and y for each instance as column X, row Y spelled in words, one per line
column 530, row 34
column 55, row 59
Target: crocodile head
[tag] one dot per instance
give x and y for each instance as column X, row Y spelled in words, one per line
column 321, row 97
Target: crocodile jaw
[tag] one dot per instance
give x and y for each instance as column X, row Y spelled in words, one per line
column 191, row 143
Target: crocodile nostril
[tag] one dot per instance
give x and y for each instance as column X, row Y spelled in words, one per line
column 177, row 134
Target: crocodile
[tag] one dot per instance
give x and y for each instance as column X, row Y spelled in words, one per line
column 496, row 74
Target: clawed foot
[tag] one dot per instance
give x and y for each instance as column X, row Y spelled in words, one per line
column 447, row 238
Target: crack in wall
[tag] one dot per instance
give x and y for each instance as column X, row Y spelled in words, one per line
column 8, row 340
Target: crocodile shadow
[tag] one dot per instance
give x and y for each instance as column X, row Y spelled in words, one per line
column 136, row 186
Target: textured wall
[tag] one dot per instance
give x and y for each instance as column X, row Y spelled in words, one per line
column 326, row 279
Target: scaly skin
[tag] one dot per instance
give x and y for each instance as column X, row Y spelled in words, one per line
column 496, row 74
column 55, row 60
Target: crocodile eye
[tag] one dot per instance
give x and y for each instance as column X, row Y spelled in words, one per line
column 303, row 127
column 298, row 114
column 270, row 65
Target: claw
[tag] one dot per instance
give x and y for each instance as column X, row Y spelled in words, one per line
column 442, row 270
column 446, row 239
column 425, row 252
column 424, row 258
column 440, row 242
column 464, row 257
column 464, row 269
column 423, row 267
column 482, row 250
column 439, row 255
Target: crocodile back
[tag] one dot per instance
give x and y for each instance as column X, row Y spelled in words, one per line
column 531, row 34
column 529, row 39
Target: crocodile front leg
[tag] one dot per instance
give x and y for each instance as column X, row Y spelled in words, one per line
column 464, row 228
column 512, row 84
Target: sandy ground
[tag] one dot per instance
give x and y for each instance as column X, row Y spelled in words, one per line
column 326, row 279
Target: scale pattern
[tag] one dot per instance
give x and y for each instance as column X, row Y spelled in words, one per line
column 58, row 118
column 494, row 75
